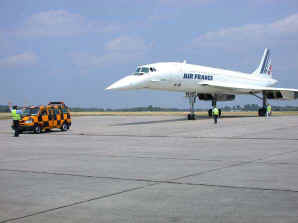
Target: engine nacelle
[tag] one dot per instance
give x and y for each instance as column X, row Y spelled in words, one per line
column 219, row 97
column 274, row 95
column 283, row 95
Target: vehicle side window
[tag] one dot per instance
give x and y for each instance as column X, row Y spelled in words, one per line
column 50, row 114
column 56, row 111
column 43, row 112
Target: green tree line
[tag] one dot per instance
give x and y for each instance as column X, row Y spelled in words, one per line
column 247, row 107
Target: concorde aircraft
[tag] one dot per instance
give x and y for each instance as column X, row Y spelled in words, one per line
column 207, row 83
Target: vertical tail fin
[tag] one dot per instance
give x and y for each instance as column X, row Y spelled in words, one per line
column 265, row 67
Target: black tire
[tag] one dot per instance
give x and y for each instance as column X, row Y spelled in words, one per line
column 262, row 112
column 210, row 112
column 191, row 117
column 16, row 133
column 64, row 127
column 37, row 129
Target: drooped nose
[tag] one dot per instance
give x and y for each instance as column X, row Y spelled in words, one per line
column 123, row 84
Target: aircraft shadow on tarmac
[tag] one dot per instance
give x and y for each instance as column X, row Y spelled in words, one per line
column 150, row 122
column 180, row 119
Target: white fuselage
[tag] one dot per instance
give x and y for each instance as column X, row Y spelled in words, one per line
column 183, row 77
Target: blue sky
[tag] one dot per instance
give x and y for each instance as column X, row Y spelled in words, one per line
column 72, row 50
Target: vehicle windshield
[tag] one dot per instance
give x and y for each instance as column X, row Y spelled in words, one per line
column 143, row 70
column 30, row 111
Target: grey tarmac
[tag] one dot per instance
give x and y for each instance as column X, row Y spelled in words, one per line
column 152, row 169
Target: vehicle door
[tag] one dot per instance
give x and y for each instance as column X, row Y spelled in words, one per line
column 59, row 117
column 56, row 116
column 51, row 117
column 44, row 118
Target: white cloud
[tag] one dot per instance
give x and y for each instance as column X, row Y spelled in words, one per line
column 60, row 23
column 184, row 2
column 127, row 44
column 117, row 51
column 86, row 60
column 23, row 59
column 284, row 31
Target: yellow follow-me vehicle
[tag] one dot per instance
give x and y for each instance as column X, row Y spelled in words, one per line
column 45, row 118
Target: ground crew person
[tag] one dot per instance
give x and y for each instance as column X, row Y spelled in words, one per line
column 215, row 113
column 16, row 117
column 268, row 110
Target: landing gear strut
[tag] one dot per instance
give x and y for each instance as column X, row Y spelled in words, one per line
column 262, row 111
column 192, row 99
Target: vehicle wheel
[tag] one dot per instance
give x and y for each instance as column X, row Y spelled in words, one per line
column 64, row 127
column 37, row 129
column 210, row 112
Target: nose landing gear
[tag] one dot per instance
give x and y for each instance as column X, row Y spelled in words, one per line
column 192, row 99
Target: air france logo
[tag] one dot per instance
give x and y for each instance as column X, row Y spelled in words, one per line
column 198, row 76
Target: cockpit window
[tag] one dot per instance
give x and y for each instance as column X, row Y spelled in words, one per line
column 143, row 70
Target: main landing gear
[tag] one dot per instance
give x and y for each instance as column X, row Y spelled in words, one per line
column 192, row 96
column 192, row 99
column 262, row 111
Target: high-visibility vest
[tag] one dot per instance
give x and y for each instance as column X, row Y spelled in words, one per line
column 215, row 111
column 14, row 115
column 269, row 108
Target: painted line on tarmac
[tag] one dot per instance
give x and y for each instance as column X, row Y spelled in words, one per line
column 75, row 203
column 183, row 137
column 151, row 181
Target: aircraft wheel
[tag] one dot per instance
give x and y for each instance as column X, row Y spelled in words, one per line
column 191, row 117
column 262, row 112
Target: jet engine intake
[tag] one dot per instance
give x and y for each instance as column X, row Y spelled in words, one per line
column 283, row 95
column 218, row 97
